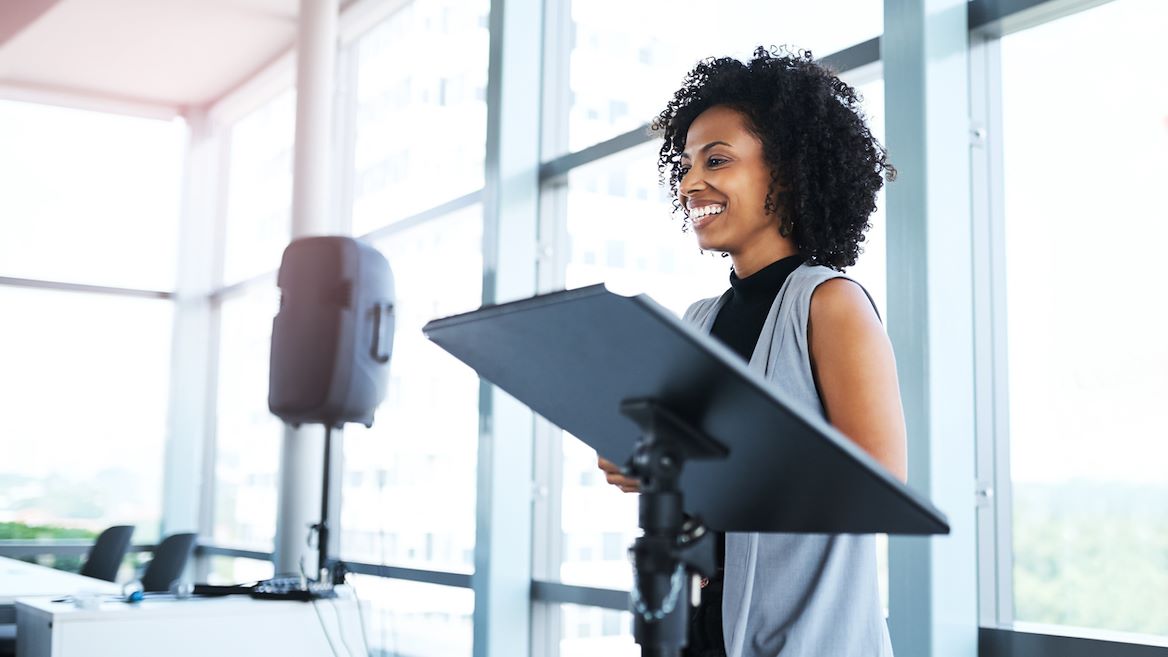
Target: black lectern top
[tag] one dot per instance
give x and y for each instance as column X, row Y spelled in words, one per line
column 574, row 356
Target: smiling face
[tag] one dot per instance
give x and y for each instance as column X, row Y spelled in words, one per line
column 724, row 185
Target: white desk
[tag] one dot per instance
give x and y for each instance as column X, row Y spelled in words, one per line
column 196, row 627
column 19, row 579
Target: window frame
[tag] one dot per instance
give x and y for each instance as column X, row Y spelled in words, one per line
column 988, row 21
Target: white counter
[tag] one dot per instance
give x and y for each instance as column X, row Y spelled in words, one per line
column 197, row 627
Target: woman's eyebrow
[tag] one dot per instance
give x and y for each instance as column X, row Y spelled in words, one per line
column 708, row 146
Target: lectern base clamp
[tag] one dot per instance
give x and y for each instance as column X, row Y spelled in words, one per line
column 673, row 547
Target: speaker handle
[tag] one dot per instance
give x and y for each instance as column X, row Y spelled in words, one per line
column 382, row 331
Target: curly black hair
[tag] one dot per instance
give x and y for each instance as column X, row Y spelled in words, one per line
column 826, row 167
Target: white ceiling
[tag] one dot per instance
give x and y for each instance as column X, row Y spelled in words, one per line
column 172, row 53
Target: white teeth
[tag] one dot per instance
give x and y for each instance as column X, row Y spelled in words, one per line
column 705, row 210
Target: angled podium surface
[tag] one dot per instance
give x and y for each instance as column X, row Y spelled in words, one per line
column 574, row 356
column 714, row 445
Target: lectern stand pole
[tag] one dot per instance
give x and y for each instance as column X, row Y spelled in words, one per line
column 672, row 547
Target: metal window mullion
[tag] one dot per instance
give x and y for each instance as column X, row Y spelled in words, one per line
column 1001, row 17
column 67, row 547
column 1002, row 481
column 980, row 201
column 547, row 525
column 547, row 534
column 61, row 286
column 561, row 165
column 234, row 553
column 556, row 89
column 439, row 211
column 1038, row 640
column 503, row 535
column 217, row 263
column 558, row 593
column 855, row 56
column 437, row 577
column 995, row 508
column 932, row 580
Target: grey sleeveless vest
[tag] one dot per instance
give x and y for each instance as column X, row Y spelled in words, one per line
column 796, row 595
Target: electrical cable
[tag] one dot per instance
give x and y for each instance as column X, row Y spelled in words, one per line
column 341, row 626
column 360, row 614
column 324, row 630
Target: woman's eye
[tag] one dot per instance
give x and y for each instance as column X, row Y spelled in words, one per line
column 715, row 161
column 683, row 169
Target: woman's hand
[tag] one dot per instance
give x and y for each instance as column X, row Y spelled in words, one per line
column 612, row 473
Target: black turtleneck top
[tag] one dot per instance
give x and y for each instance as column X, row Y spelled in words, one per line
column 738, row 326
column 740, row 320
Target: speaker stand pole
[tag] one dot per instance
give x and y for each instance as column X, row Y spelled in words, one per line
column 322, row 528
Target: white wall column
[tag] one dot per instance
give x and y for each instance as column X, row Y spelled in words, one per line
column 502, row 577
column 192, row 346
column 301, row 459
column 933, row 581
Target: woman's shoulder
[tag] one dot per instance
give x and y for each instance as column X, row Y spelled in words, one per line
column 699, row 309
column 827, row 289
column 813, row 275
column 808, row 278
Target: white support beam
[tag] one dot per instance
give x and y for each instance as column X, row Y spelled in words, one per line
column 933, row 581
column 192, row 346
column 302, row 456
column 502, row 578
column 315, row 74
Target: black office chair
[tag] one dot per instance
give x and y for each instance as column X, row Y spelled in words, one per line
column 107, row 553
column 170, row 559
column 7, row 640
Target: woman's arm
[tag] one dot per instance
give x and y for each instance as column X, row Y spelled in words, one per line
column 855, row 372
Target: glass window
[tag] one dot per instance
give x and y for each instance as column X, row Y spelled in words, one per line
column 421, row 110
column 1084, row 141
column 871, row 268
column 247, row 435
column 621, row 233
column 259, row 190
column 412, row 619
column 409, row 488
column 628, row 58
column 589, row 631
column 88, row 197
column 234, row 570
column 83, row 394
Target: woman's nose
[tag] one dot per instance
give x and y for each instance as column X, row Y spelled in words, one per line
column 691, row 183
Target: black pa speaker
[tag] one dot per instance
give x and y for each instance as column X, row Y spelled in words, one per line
column 333, row 335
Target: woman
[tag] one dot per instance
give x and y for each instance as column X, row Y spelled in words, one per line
column 771, row 164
